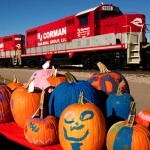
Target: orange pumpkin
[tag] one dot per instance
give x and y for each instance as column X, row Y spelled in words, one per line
column 15, row 84
column 128, row 135
column 108, row 81
column 41, row 131
column 23, row 104
column 143, row 117
column 82, row 126
column 55, row 78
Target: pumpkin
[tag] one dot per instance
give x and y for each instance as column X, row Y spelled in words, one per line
column 143, row 117
column 118, row 106
column 66, row 93
column 41, row 131
column 5, row 111
column 128, row 135
column 23, row 104
column 15, row 84
column 82, row 126
column 108, row 81
column 55, row 78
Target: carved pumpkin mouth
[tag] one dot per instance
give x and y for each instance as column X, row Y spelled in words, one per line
column 73, row 138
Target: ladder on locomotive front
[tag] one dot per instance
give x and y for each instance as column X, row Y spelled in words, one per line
column 133, row 48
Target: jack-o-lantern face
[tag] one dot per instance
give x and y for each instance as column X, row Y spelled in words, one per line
column 79, row 124
column 41, row 132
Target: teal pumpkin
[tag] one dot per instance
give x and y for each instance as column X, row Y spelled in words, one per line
column 67, row 93
column 118, row 108
column 127, row 135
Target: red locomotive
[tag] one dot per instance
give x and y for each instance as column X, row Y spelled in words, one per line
column 102, row 33
column 11, row 49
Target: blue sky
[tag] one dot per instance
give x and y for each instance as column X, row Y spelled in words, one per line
column 17, row 16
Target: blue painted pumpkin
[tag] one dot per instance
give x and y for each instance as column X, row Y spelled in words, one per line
column 67, row 93
column 128, row 135
column 118, row 108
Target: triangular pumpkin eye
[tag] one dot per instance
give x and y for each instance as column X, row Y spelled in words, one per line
column 86, row 115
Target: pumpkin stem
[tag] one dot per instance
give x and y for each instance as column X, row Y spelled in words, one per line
column 27, row 84
column 54, row 72
column 6, row 81
column 1, row 79
column 132, row 114
column 102, row 68
column 41, row 104
column 119, row 92
column 70, row 77
column 15, row 79
column 81, row 98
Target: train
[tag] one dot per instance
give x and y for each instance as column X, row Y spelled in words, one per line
column 102, row 33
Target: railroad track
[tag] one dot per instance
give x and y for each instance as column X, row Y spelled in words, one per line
column 138, row 72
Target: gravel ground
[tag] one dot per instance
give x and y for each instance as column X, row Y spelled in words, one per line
column 139, row 84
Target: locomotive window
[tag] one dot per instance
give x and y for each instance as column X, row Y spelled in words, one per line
column 31, row 32
column 7, row 39
column 28, row 34
column 35, row 31
column 68, row 22
column 83, row 20
column 97, row 16
column 106, row 15
column 72, row 21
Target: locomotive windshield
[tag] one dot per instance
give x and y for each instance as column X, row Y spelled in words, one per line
column 83, row 20
column 109, row 11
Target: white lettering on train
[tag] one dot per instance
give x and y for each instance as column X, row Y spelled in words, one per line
column 54, row 41
column 43, row 43
column 53, row 33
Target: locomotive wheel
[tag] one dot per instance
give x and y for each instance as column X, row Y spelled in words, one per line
column 148, row 61
column 133, row 67
column 1, row 64
column 86, row 62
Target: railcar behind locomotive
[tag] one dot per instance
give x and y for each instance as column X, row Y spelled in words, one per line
column 102, row 33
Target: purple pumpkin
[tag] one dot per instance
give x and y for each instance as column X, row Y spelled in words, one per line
column 5, row 111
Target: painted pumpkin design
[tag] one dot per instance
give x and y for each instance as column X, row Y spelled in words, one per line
column 108, row 81
column 127, row 135
column 41, row 131
column 82, row 127
column 5, row 111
